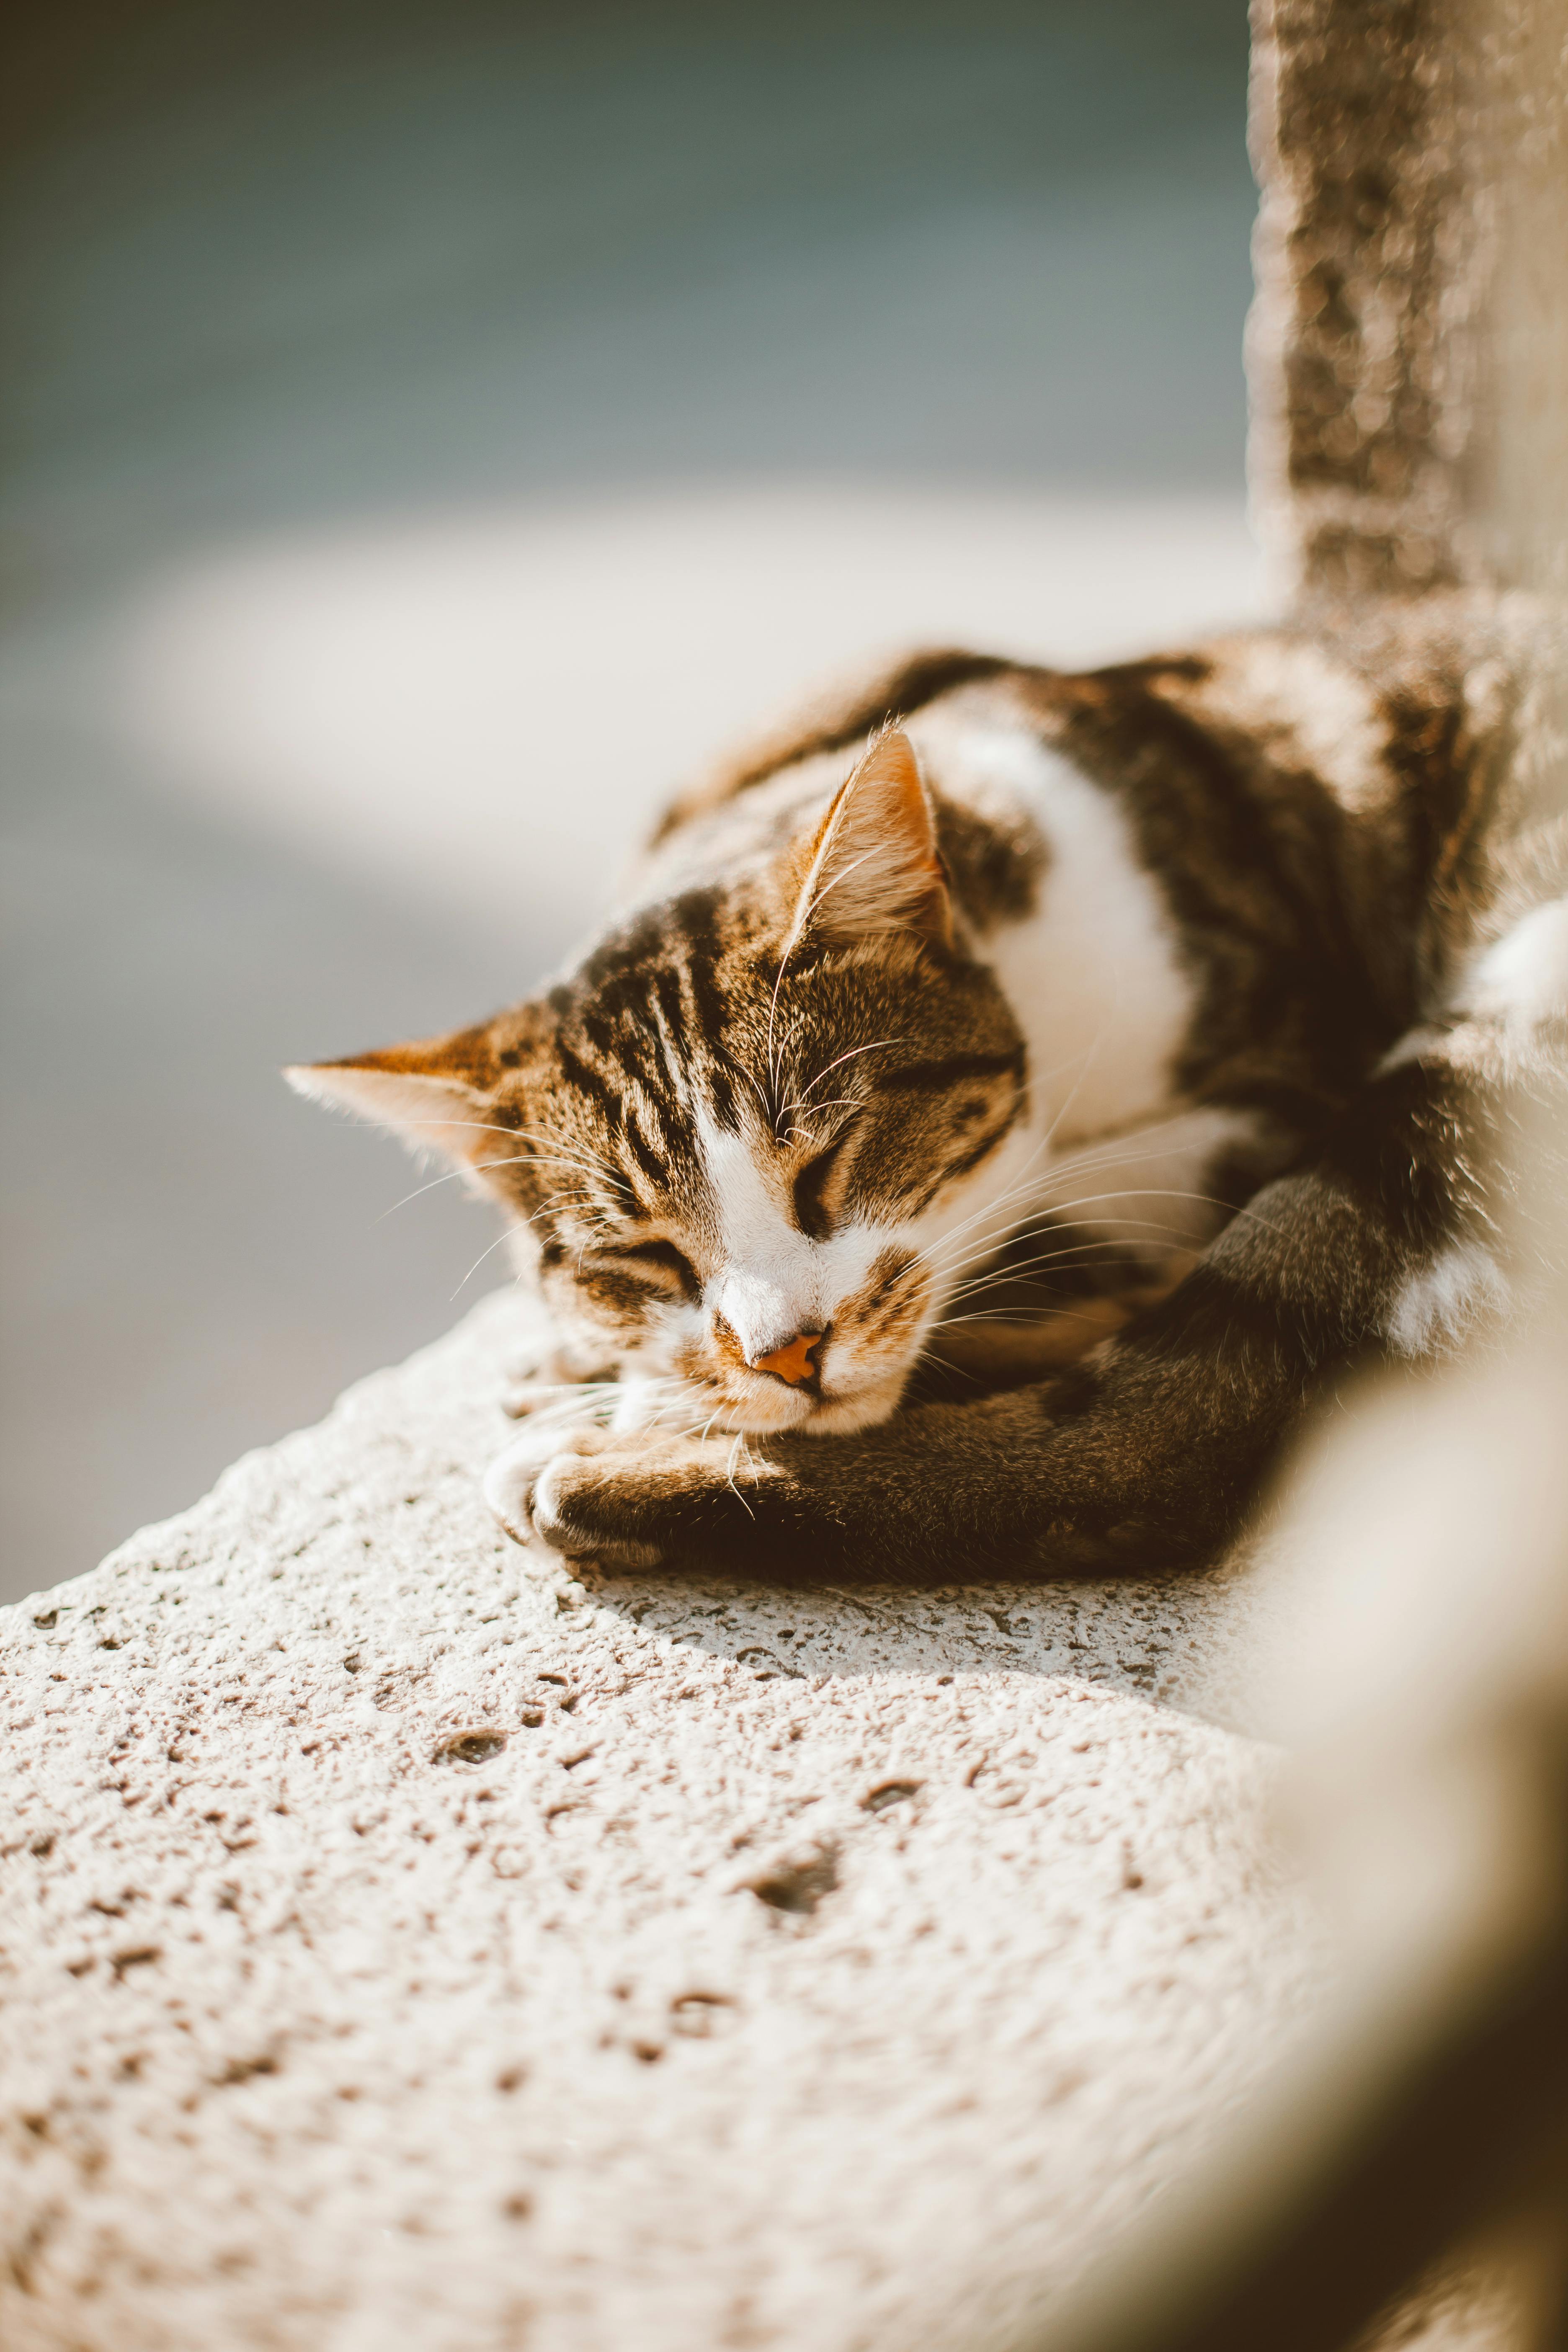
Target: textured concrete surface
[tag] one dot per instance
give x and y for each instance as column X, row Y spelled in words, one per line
column 405, row 1943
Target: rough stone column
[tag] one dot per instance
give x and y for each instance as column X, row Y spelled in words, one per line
column 1408, row 344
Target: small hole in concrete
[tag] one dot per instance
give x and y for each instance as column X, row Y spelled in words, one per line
column 532, row 1717
column 136, row 1959
column 648, row 2052
column 512, row 2078
column 240, row 2070
column 518, row 2209
column 470, row 1747
column 551, row 1678
column 699, row 2014
column 799, row 1888
column 50, row 1617
column 889, row 1793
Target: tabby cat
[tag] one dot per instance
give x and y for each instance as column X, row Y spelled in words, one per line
column 1010, row 1098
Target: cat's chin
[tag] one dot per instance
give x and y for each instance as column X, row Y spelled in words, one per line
column 829, row 1416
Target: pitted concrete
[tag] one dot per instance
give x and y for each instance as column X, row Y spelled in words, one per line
column 406, row 1943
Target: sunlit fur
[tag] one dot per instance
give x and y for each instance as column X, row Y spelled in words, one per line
column 756, row 1110
column 1205, row 983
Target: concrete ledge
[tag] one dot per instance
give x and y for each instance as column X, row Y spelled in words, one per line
column 407, row 1945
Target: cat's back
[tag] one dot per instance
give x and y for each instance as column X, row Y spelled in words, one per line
column 1337, row 792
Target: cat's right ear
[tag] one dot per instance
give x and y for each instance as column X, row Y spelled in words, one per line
column 873, row 867
column 436, row 1093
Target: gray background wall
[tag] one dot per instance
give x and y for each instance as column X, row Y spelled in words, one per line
column 276, row 275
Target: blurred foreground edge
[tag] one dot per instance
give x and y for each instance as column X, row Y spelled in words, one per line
column 1408, row 360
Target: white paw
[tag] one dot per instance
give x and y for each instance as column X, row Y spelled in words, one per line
column 552, row 1491
column 511, row 1480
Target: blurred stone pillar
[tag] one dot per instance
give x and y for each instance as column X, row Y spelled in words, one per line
column 1407, row 351
column 1407, row 360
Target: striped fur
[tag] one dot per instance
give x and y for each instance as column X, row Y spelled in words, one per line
column 1058, row 1079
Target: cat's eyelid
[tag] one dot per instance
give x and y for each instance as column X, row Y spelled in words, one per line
column 806, row 1191
column 656, row 1252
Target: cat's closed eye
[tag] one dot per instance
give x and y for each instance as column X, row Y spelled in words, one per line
column 661, row 1260
column 811, row 1212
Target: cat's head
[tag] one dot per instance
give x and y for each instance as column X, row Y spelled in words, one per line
column 741, row 1141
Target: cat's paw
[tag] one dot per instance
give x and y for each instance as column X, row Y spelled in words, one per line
column 628, row 1502
column 511, row 1477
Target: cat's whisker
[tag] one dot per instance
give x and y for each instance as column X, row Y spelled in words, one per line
column 1168, row 1192
column 834, row 1102
column 1160, row 1227
column 991, row 1209
column 477, row 1167
column 1095, row 1161
column 730, row 1474
column 1081, row 1252
column 930, row 1356
column 878, row 1044
column 742, row 1071
column 1090, row 1055
column 504, row 1235
column 1096, row 1164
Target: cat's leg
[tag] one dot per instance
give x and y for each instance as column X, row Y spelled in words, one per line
column 989, row 1352
column 605, row 1414
column 1153, row 1449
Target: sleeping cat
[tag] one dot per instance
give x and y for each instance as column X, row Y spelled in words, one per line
column 1009, row 1099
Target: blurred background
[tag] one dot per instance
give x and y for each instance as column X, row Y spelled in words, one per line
column 431, row 430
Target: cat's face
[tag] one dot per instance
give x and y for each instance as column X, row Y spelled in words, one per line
column 741, row 1142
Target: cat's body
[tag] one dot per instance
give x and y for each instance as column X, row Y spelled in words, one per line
column 1175, row 1002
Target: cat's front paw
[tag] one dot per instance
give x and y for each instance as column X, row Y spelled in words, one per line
column 629, row 1502
column 511, row 1480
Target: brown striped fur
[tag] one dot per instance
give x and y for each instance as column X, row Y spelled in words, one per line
column 804, row 1089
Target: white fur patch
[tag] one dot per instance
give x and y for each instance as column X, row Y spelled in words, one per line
column 1150, row 1188
column 1435, row 1308
column 1414, row 1046
column 1522, row 979
column 776, row 1281
column 1095, row 974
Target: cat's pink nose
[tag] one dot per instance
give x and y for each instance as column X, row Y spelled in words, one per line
column 794, row 1362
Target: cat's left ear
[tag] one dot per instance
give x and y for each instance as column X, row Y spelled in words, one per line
column 436, row 1093
column 873, row 865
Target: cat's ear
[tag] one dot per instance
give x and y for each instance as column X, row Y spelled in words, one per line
column 873, row 865
column 436, row 1093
